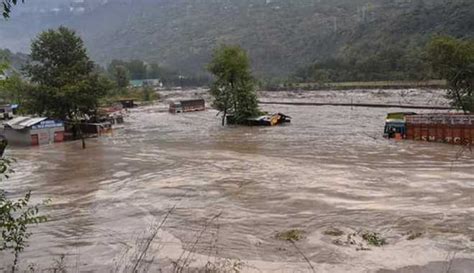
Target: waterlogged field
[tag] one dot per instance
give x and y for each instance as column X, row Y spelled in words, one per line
column 316, row 195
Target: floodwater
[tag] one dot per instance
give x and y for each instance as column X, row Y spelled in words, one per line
column 227, row 191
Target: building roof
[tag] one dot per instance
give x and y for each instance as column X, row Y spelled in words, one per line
column 19, row 123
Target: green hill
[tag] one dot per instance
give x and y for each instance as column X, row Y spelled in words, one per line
column 281, row 36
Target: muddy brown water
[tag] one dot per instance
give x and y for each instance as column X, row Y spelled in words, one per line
column 329, row 168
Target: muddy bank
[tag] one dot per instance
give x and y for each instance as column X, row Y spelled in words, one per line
column 235, row 188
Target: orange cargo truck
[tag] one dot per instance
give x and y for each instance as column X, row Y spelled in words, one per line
column 450, row 128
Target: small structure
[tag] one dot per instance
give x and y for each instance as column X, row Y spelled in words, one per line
column 265, row 120
column 450, row 128
column 33, row 131
column 6, row 111
column 183, row 106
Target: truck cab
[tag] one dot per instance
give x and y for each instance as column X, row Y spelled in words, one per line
column 395, row 125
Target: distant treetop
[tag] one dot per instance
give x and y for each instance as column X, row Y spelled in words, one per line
column 7, row 7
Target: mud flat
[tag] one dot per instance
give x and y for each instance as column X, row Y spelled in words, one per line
column 234, row 189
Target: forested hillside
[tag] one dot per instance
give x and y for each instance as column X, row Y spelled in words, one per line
column 281, row 36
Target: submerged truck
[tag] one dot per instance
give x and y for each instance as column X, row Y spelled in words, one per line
column 183, row 106
column 453, row 128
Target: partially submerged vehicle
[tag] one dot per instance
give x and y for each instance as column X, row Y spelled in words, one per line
column 395, row 125
column 114, row 115
column 453, row 128
column 183, row 106
column 264, row 120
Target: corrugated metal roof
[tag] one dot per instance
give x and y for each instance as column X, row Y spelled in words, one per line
column 24, row 122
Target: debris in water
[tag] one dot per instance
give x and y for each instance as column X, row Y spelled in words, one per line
column 333, row 232
column 265, row 120
column 361, row 241
column 413, row 235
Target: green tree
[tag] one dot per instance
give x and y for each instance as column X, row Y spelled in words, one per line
column 154, row 71
column 453, row 60
column 234, row 87
column 113, row 64
column 121, row 77
column 7, row 6
column 147, row 93
column 65, row 85
column 3, row 67
column 138, row 69
column 14, row 90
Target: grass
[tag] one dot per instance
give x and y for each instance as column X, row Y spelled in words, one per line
column 290, row 235
column 358, row 240
column 373, row 238
column 333, row 232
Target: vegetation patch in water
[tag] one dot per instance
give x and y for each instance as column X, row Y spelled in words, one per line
column 414, row 235
column 333, row 232
column 374, row 239
column 290, row 235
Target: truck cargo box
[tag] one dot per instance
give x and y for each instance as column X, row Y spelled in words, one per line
column 441, row 127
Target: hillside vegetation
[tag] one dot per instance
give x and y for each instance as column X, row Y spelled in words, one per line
column 281, row 36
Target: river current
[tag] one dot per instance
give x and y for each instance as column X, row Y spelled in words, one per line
column 226, row 193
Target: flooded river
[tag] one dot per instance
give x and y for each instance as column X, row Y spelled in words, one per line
column 234, row 188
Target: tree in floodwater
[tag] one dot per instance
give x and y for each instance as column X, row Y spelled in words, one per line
column 234, row 87
column 66, row 86
column 453, row 60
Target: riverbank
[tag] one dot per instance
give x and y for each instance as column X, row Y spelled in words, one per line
column 428, row 84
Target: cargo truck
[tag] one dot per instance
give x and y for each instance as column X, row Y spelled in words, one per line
column 453, row 128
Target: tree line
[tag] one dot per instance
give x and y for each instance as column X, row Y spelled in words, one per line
column 122, row 71
column 392, row 63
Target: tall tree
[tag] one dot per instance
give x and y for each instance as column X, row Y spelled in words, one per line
column 453, row 60
column 234, row 87
column 7, row 7
column 154, row 71
column 137, row 69
column 65, row 85
column 121, row 76
column 14, row 89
